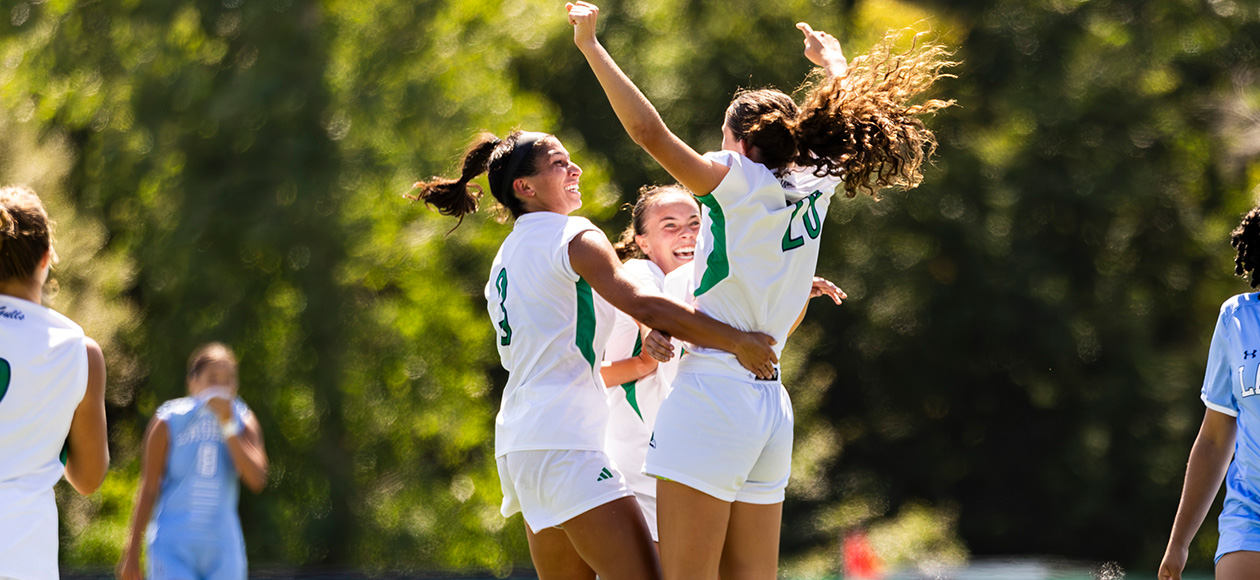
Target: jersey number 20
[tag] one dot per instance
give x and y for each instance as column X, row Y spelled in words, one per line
column 501, row 284
column 810, row 219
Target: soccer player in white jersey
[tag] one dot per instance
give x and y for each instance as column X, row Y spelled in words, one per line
column 659, row 243
column 52, row 396
column 1231, row 429
column 660, row 238
column 197, row 450
column 723, row 439
column 580, row 518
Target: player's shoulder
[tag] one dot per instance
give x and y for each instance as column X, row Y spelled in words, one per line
column 176, row 408
column 1240, row 302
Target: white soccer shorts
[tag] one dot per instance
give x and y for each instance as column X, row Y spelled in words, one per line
column 726, row 437
column 554, row 486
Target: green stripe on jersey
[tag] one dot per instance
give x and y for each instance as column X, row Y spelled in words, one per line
column 629, row 387
column 586, row 321
column 716, row 267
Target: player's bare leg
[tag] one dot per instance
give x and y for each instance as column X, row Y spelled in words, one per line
column 1242, row 565
column 692, row 527
column 614, row 540
column 752, row 542
column 554, row 556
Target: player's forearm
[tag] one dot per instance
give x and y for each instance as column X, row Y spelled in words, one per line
column 1209, row 460
column 640, row 119
column 140, row 518
column 626, row 370
column 688, row 324
column 86, row 466
column 250, row 462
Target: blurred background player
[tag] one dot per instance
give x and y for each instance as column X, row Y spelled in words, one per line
column 196, row 449
column 52, row 395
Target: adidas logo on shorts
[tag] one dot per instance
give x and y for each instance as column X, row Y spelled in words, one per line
column 604, row 474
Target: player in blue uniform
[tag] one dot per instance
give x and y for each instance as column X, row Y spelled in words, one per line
column 1231, row 429
column 195, row 450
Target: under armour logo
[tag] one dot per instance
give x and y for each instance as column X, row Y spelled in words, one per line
column 1249, row 354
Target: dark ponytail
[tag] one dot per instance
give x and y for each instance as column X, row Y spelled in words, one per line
column 486, row 154
column 1246, row 239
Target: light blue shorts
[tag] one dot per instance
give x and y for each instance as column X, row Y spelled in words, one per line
column 176, row 556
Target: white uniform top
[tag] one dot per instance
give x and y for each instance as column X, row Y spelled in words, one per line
column 633, row 406
column 756, row 254
column 43, row 377
column 551, row 336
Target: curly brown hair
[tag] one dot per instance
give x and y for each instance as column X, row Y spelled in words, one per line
column 1246, row 239
column 862, row 126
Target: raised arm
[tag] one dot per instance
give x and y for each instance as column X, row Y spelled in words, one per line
column 636, row 113
column 1209, row 459
column 244, row 444
column 594, row 260
column 824, row 50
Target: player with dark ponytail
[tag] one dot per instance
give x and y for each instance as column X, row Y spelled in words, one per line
column 580, row 516
column 1227, row 448
column 722, row 444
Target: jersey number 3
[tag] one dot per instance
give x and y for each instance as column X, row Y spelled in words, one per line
column 811, row 220
column 501, row 284
column 6, row 373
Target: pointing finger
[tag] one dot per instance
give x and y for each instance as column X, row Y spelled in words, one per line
column 804, row 27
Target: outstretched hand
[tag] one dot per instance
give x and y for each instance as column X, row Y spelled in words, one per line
column 582, row 15
column 824, row 287
column 823, row 50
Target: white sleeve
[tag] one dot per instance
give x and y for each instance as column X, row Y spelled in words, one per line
column 572, row 228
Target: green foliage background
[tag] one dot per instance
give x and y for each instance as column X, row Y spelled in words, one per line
column 1016, row 372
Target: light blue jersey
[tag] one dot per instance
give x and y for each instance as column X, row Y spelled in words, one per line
column 1232, row 387
column 195, row 532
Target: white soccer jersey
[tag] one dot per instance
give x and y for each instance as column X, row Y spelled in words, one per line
column 757, row 252
column 633, row 406
column 43, row 377
column 551, row 333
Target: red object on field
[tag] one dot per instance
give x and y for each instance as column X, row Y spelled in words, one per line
column 860, row 561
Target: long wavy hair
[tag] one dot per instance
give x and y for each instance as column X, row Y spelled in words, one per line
column 864, row 127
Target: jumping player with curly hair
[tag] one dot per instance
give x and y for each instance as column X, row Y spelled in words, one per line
column 1219, row 454
column 723, row 439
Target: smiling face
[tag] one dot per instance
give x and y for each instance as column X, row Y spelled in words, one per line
column 670, row 227
column 554, row 187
